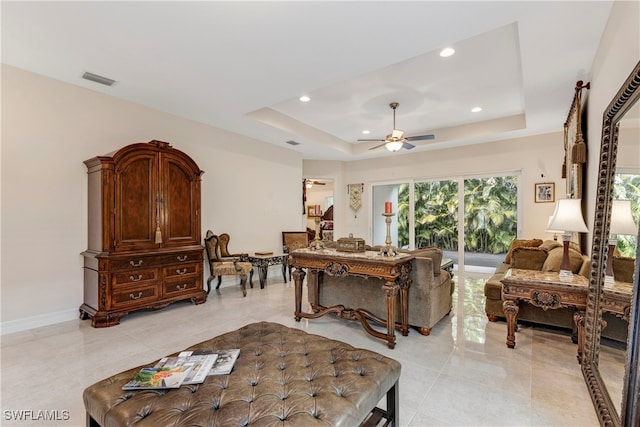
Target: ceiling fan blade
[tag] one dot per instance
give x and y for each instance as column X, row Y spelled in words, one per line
column 372, row 139
column 407, row 146
column 319, row 183
column 420, row 137
column 377, row 146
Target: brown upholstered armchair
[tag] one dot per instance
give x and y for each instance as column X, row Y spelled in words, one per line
column 224, row 266
column 292, row 240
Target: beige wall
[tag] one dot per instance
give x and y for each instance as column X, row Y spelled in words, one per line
column 49, row 128
column 617, row 55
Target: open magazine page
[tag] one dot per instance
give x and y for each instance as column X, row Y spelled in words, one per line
column 201, row 362
column 159, row 378
column 224, row 363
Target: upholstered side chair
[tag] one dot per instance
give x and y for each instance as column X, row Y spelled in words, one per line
column 292, row 240
column 220, row 266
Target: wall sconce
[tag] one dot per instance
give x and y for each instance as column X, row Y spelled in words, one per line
column 622, row 223
column 568, row 218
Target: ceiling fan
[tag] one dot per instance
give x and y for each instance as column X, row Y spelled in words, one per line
column 311, row 182
column 396, row 139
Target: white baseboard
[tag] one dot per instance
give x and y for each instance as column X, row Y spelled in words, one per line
column 32, row 322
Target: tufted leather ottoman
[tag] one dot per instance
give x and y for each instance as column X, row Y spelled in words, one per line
column 283, row 377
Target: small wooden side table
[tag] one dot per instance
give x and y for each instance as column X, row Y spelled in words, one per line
column 547, row 291
column 262, row 263
column 543, row 289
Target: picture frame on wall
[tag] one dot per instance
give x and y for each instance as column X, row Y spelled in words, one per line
column 311, row 211
column 545, row 192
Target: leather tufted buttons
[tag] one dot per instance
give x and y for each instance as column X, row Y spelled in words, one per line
column 282, row 375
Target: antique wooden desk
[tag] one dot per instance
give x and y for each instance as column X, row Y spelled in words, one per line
column 394, row 270
column 547, row 291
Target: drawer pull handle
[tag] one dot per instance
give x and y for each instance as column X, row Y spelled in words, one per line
column 182, row 258
column 181, row 288
column 136, row 279
column 181, row 272
column 135, row 264
column 132, row 296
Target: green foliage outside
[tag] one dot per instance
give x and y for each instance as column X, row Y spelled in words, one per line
column 627, row 187
column 490, row 217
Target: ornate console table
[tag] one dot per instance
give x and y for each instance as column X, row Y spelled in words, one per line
column 395, row 271
column 546, row 290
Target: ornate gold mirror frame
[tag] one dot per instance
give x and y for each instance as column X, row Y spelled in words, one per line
column 626, row 97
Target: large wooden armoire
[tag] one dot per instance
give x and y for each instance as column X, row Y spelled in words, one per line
column 144, row 246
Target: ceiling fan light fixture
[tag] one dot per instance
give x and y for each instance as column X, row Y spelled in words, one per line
column 396, row 134
column 393, row 145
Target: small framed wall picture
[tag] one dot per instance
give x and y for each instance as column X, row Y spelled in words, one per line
column 545, row 192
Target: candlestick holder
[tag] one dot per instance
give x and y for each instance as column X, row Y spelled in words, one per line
column 387, row 249
column 317, row 243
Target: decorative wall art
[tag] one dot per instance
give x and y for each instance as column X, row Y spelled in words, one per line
column 545, row 192
column 355, row 196
column 575, row 149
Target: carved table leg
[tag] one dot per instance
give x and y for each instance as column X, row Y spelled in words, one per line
column 262, row 274
column 511, row 309
column 298, row 278
column 404, row 311
column 578, row 318
column 390, row 292
column 285, row 264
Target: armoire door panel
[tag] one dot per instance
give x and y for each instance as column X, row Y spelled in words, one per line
column 179, row 202
column 137, row 202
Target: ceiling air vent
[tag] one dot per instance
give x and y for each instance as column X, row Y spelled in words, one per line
column 290, row 142
column 98, row 79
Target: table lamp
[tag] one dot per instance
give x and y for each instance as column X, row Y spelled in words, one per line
column 622, row 223
column 568, row 218
column 549, row 230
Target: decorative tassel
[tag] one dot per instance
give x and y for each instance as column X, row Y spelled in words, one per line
column 158, row 234
column 579, row 152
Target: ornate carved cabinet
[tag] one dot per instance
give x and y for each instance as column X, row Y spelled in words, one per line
column 144, row 246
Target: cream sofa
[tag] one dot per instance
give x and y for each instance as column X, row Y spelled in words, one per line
column 430, row 294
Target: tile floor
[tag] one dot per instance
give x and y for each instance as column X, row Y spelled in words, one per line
column 461, row 375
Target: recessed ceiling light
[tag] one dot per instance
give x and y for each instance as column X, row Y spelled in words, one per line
column 476, row 109
column 305, row 98
column 366, row 132
column 447, row 51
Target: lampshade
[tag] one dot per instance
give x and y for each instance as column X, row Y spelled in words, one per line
column 621, row 218
column 568, row 217
column 549, row 230
column 393, row 145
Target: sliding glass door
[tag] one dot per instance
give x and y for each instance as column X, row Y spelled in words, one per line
column 481, row 212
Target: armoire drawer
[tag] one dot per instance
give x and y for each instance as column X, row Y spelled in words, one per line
column 177, row 286
column 127, row 278
column 133, row 296
column 181, row 258
column 135, row 262
column 181, row 270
